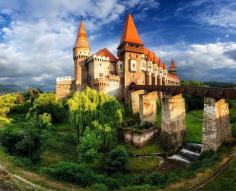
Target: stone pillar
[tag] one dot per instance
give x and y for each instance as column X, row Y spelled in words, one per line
column 173, row 121
column 216, row 125
column 135, row 100
column 148, row 107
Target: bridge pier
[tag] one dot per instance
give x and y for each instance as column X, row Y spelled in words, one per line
column 135, row 100
column 216, row 125
column 148, row 107
column 173, row 121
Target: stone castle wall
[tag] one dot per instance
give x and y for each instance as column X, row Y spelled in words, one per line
column 64, row 86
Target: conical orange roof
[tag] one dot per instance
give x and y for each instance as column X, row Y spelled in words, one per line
column 82, row 40
column 130, row 33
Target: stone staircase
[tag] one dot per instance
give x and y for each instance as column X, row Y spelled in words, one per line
column 189, row 153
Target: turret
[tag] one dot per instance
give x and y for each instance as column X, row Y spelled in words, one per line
column 81, row 53
column 172, row 69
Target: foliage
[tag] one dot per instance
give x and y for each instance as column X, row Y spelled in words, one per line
column 157, row 179
column 31, row 94
column 44, row 121
column 7, row 102
column 117, row 159
column 89, row 105
column 47, row 103
column 99, row 187
column 89, row 146
column 25, row 143
column 193, row 102
column 68, row 171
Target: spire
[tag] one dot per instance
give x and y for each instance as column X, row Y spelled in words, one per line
column 82, row 40
column 130, row 33
column 172, row 65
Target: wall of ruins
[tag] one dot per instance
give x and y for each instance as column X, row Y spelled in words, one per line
column 216, row 126
column 173, row 121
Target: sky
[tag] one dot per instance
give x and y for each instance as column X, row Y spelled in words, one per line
column 37, row 37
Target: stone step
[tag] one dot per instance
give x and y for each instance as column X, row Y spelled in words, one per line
column 188, row 155
column 194, row 147
column 180, row 158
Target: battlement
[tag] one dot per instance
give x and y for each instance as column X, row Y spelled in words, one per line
column 64, row 78
column 100, row 58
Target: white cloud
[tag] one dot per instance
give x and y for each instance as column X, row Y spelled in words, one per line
column 205, row 62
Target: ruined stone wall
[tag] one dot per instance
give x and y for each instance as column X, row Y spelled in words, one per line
column 139, row 138
column 148, row 107
column 216, row 126
column 173, row 121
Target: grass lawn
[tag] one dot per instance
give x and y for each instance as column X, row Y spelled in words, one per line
column 194, row 126
column 142, row 164
column 226, row 181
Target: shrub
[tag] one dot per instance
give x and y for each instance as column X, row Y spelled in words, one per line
column 7, row 102
column 25, row 143
column 68, row 171
column 44, row 121
column 89, row 146
column 31, row 94
column 99, row 187
column 157, row 179
column 47, row 103
column 117, row 159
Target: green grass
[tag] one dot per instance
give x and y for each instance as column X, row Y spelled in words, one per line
column 152, row 147
column 141, row 164
column 194, row 126
column 226, row 181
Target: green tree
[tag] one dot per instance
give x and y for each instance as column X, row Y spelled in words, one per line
column 89, row 146
column 7, row 102
column 117, row 159
column 47, row 103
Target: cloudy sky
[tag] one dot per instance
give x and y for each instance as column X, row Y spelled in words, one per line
column 36, row 37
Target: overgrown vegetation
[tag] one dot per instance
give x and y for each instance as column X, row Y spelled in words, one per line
column 77, row 140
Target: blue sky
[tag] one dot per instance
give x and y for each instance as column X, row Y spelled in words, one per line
column 36, row 37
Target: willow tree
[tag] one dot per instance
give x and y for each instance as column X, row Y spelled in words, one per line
column 88, row 106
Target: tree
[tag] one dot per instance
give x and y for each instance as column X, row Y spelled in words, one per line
column 89, row 105
column 117, row 159
column 7, row 102
column 89, row 146
column 47, row 103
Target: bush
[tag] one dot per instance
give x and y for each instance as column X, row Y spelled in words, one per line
column 89, row 146
column 157, row 179
column 7, row 102
column 44, row 121
column 24, row 143
column 117, row 159
column 47, row 103
column 68, row 171
column 99, row 187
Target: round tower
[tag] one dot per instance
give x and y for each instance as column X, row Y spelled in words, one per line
column 81, row 52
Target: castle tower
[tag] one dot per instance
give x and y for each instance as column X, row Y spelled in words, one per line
column 172, row 69
column 81, row 53
column 130, row 52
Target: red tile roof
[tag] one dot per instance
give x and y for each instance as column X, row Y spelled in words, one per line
column 105, row 52
column 130, row 33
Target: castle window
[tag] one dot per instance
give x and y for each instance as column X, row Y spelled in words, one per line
column 100, row 64
column 100, row 75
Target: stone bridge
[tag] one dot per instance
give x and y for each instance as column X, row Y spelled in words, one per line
column 216, row 124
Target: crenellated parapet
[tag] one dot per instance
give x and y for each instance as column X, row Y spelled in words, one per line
column 64, row 86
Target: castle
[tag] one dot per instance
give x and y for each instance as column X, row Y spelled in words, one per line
column 110, row 74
